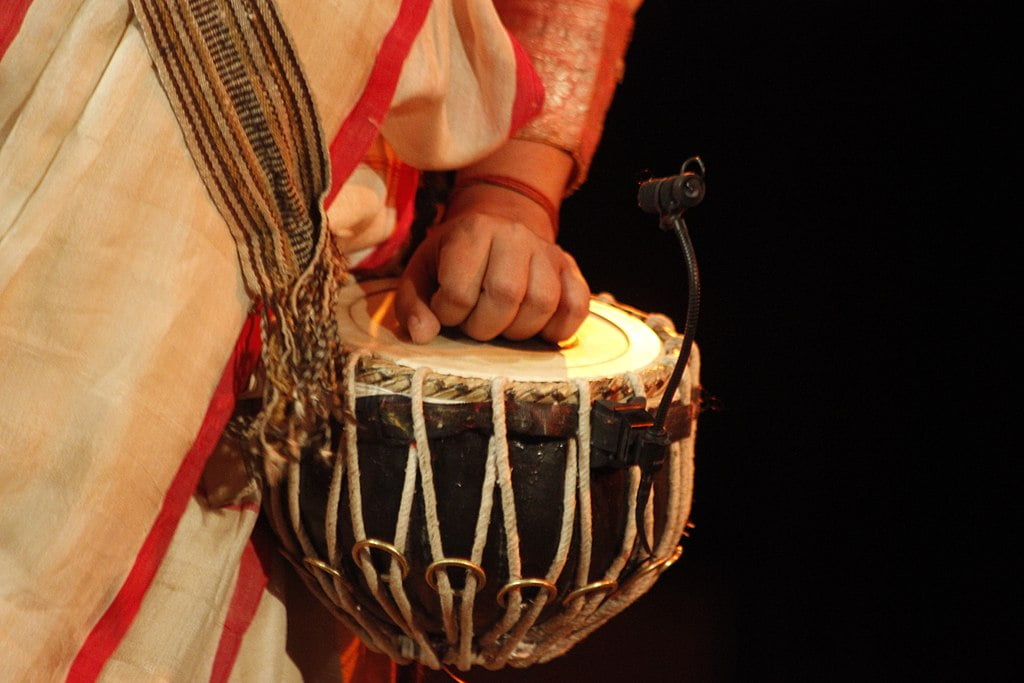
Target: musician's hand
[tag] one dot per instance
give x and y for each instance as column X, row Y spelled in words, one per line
column 492, row 269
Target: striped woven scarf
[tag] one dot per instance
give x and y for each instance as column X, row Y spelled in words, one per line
column 244, row 108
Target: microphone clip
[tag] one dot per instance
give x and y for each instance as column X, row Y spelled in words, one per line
column 670, row 197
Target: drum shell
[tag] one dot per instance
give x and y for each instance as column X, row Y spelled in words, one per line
column 346, row 495
column 458, row 437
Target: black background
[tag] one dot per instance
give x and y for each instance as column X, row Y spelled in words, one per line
column 809, row 560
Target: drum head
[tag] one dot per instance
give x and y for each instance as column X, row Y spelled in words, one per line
column 610, row 342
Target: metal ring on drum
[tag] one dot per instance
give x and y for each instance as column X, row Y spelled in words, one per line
column 368, row 543
column 322, row 566
column 430, row 576
column 550, row 588
column 656, row 565
column 607, row 586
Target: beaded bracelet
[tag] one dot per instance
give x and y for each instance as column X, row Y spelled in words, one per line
column 517, row 186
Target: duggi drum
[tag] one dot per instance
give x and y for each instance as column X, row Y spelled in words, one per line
column 469, row 512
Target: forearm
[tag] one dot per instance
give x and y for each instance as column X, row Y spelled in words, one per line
column 577, row 49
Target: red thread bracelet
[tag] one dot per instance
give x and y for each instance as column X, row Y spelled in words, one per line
column 517, row 186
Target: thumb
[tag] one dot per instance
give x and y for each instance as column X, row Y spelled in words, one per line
column 412, row 301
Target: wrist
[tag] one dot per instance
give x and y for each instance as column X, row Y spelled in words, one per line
column 523, row 164
column 507, row 196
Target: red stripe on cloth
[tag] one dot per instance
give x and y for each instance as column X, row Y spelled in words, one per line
column 364, row 121
column 108, row 632
column 529, row 89
column 12, row 13
column 252, row 580
column 405, row 205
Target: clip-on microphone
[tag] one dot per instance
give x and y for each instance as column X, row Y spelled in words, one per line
column 639, row 438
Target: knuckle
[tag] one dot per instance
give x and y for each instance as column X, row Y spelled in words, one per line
column 457, row 297
column 543, row 298
column 504, row 292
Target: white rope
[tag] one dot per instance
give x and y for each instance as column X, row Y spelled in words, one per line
column 680, row 489
column 679, row 499
column 585, row 607
column 419, row 428
column 681, row 460
column 504, row 471
column 497, row 443
column 309, row 579
column 294, row 513
column 398, row 617
column 583, row 480
column 680, row 469
column 630, row 532
column 513, row 604
column 580, row 613
column 334, row 502
column 639, row 390
column 355, row 489
column 636, row 384
column 568, row 512
column 565, row 620
column 396, row 584
column 332, row 587
column 521, row 637
column 515, row 637
column 521, row 631
column 405, row 505
column 351, row 458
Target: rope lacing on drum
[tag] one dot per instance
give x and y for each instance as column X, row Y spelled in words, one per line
column 515, row 632
column 513, row 622
column 399, row 611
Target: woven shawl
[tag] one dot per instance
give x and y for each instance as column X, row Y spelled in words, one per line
column 247, row 116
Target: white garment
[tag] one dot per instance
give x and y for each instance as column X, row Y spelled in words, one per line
column 121, row 300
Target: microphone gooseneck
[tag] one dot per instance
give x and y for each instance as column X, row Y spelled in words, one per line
column 669, row 198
